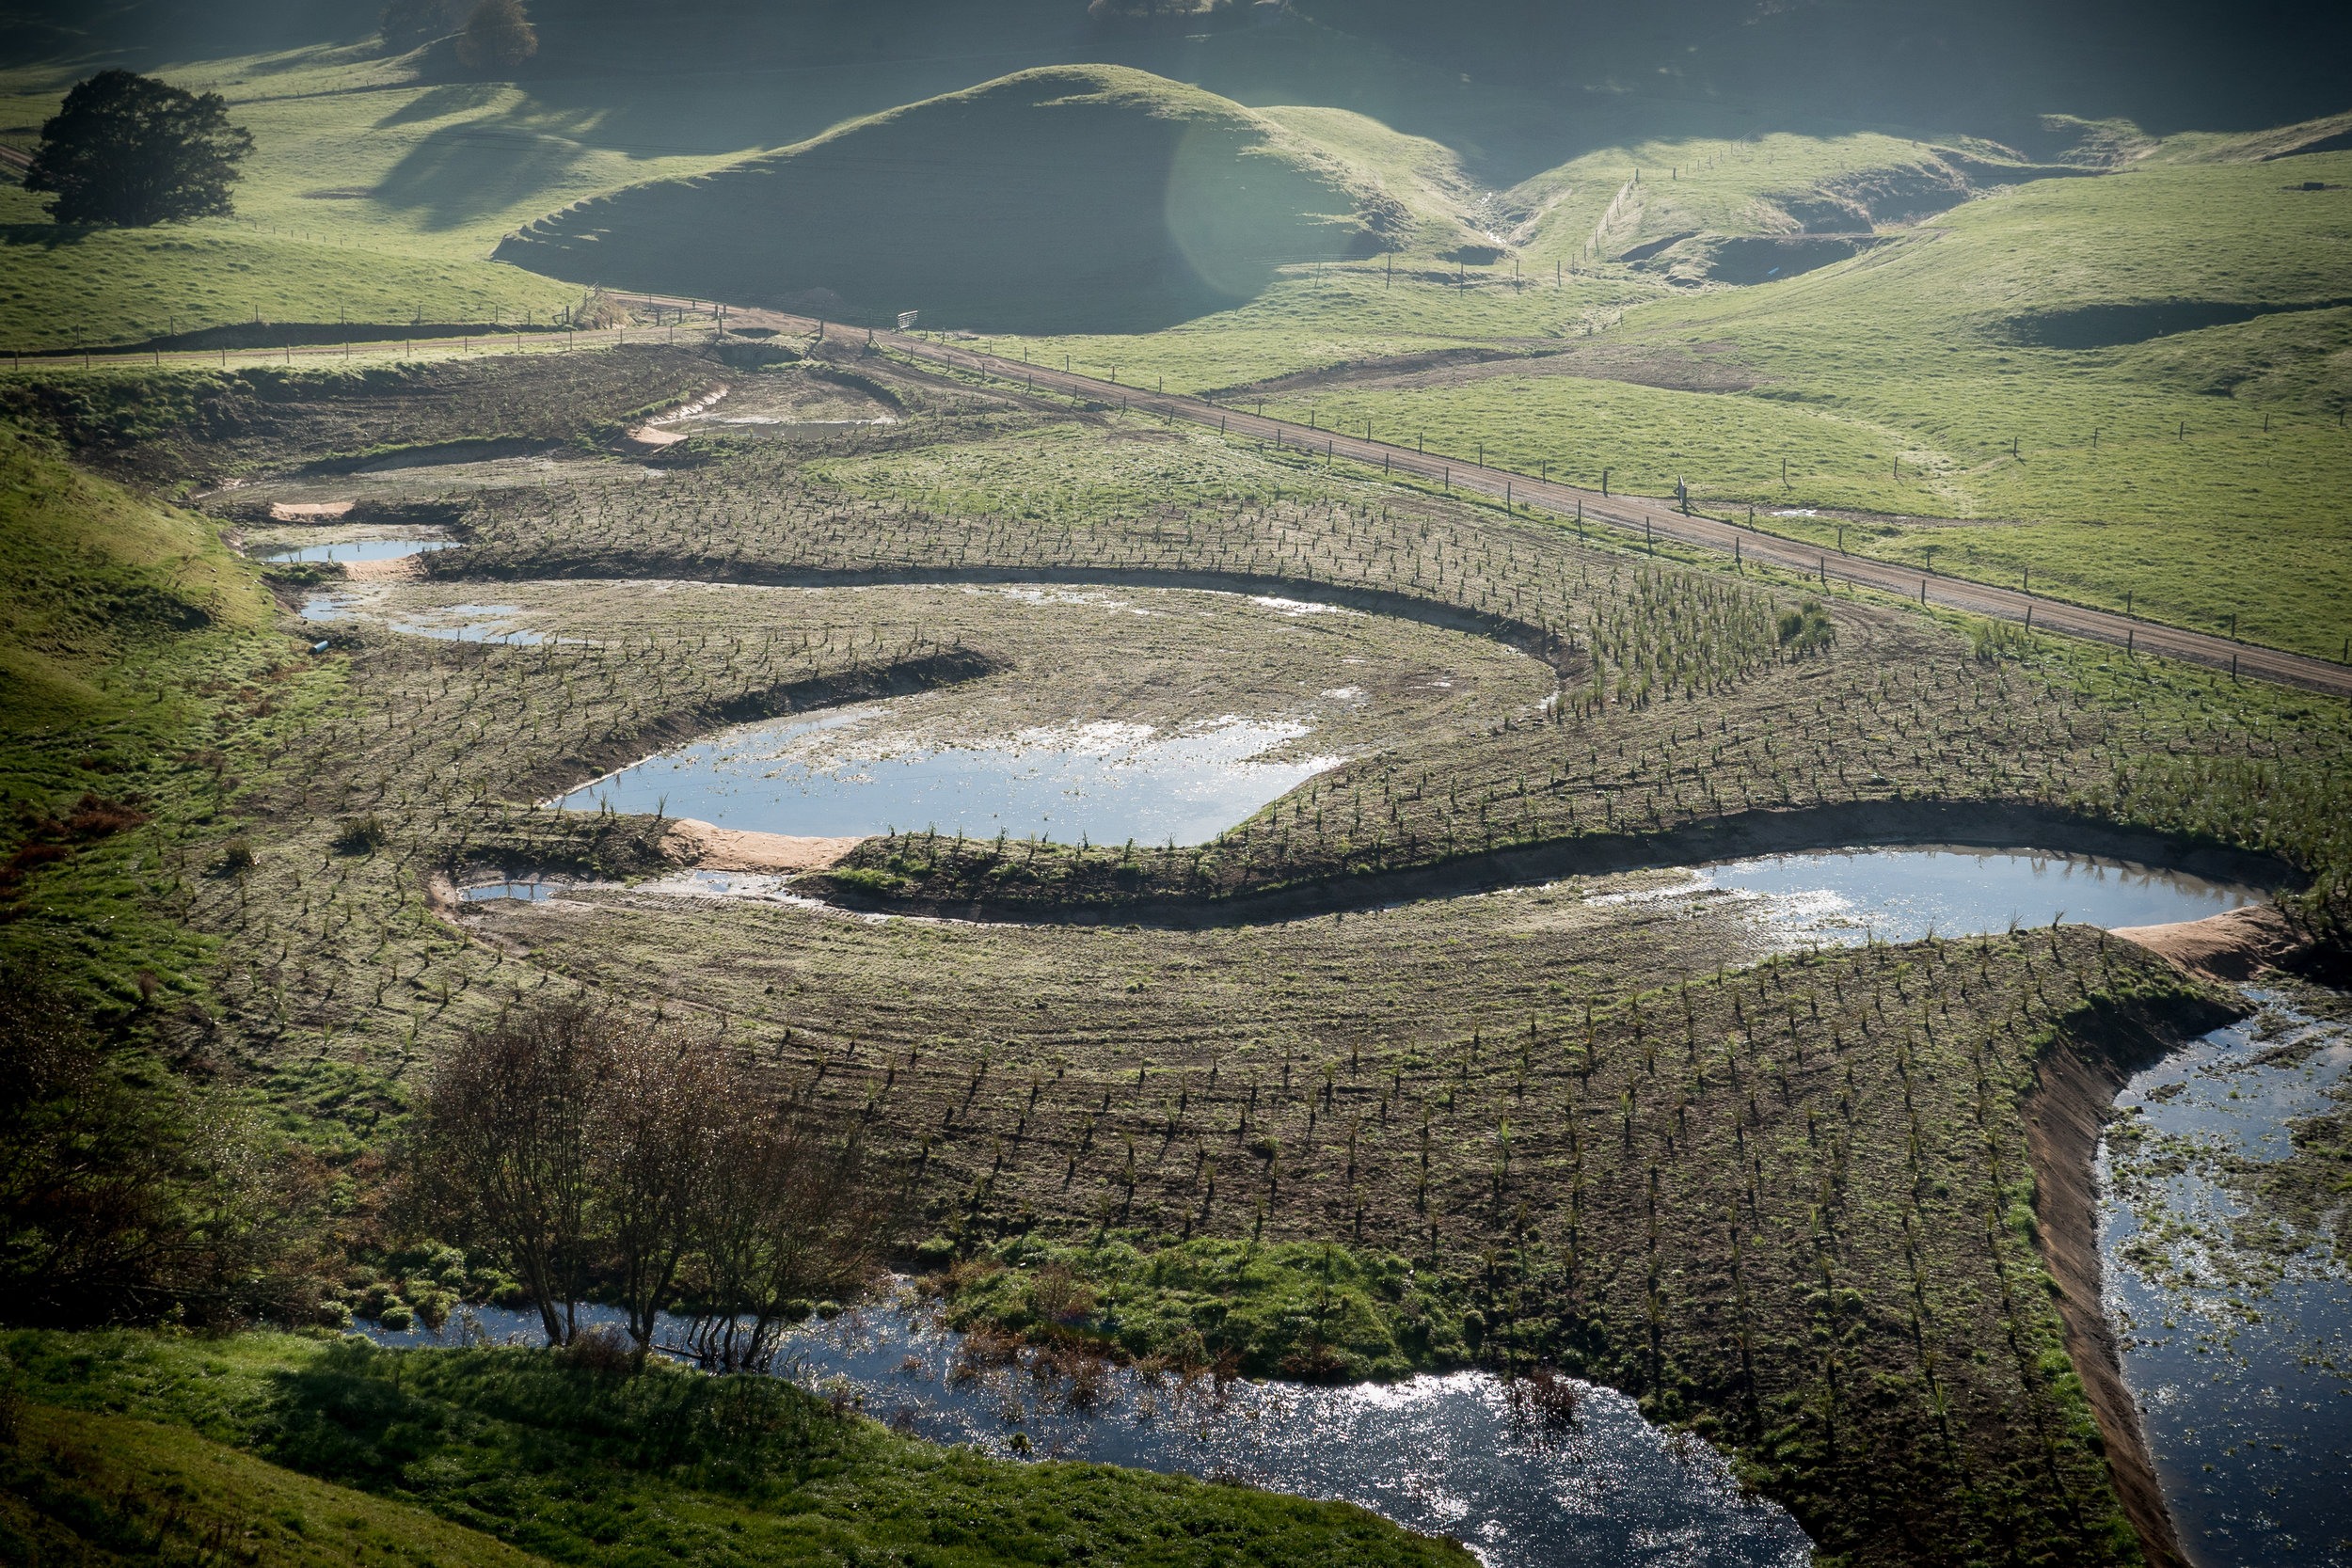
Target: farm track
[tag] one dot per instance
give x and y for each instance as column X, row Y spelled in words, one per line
column 1644, row 517
column 1627, row 514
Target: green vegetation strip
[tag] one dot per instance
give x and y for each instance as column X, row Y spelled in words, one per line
column 481, row 1456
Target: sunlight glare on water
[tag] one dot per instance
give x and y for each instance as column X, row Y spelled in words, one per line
column 1437, row 1454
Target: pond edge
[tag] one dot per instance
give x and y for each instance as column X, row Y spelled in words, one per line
column 2075, row 1083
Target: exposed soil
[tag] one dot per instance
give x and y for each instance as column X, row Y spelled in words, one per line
column 2236, row 945
column 2073, row 1097
column 715, row 848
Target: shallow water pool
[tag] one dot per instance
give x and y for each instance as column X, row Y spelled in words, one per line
column 2236, row 1339
column 1901, row 893
column 459, row 623
column 358, row 550
column 1437, row 1454
column 826, row 778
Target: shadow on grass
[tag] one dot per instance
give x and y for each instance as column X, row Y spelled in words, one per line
column 487, row 1428
column 49, row 236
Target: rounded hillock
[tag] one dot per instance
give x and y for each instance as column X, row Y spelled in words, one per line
column 1079, row 198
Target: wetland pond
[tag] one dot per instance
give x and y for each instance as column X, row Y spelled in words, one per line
column 837, row 777
column 2235, row 1326
column 1900, row 893
column 1458, row 1455
column 355, row 549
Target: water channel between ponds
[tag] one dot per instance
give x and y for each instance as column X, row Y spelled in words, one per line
column 1457, row 1455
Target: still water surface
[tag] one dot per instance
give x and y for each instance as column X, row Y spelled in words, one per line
column 1440, row 1455
column 828, row 778
column 2240, row 1356
column 359, row 549
column 1899, row 894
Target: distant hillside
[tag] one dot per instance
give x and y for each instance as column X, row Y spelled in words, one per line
column 1086, row 198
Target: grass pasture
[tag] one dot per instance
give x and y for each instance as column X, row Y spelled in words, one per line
column 1072, row 193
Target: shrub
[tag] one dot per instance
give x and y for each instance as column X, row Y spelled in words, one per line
column 1807, row 629
column 236, row 856
column 360, row 834
column 395, row 1317
column 604, row 1351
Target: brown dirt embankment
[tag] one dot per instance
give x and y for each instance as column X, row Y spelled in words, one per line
column 690, row 842
column 2073, row 1097
column 2233, row 946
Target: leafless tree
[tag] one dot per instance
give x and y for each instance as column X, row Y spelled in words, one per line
column 657, row 1138
column 501, row 1146
column 578, row 1138
column 790, row 1212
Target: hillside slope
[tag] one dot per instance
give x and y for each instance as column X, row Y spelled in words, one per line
column 1092, row 196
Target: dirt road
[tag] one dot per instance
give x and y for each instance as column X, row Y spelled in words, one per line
column 1631, row 515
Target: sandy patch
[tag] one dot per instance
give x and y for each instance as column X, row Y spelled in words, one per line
column 2231, row 946
column 403, row 568
column 645, row 438
column 304, row 511
column 715, row 848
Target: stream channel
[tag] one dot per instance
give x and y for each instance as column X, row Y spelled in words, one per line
column 2236, row 1334
column 1444, row 1455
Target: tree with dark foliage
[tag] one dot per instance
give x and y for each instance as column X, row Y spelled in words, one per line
column 498, row 36
column 132, row 152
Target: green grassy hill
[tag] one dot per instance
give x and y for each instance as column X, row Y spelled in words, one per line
column 1086, row 198
column 93, row 1490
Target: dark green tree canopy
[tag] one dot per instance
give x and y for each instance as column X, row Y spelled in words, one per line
column 130, row 151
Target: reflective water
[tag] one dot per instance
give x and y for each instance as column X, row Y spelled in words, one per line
column 359, row 549
column 843, row 775
column 1848, row 897
column 1439, row 1454
column 457, row 623
column 2236, row 1340
column 529, row 892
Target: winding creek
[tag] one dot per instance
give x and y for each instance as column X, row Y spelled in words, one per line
column 2236, row 1334
column 1588, row 1482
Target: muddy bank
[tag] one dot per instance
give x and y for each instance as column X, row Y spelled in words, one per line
column 1857, row 825
column 2073, row 1098
column 2231, row 946
column 711, row 847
